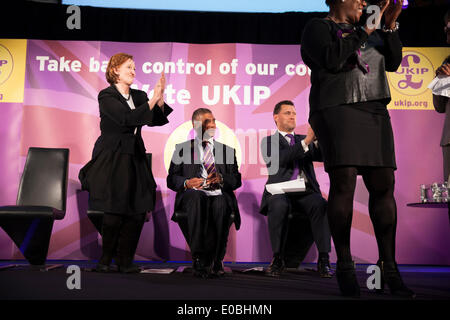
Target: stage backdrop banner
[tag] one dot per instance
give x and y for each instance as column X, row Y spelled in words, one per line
column 240, row 83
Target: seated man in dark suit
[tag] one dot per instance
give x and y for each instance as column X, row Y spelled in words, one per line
column 290, row 156
column 204, row 173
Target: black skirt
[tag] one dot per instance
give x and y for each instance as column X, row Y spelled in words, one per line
column 358, row 135
column 119, row 183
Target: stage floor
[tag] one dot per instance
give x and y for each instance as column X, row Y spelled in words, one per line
column 22, row 283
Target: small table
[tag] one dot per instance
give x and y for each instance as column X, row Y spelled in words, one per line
column 429, row 204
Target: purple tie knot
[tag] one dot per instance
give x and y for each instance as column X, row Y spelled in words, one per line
column 291, row 137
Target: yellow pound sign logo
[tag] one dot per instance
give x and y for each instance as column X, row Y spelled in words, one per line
column 6, row 64
column 12, row 70
column 414, row 74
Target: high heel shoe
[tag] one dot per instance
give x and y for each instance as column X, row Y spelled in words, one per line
column 391, row 276
column 346, row 277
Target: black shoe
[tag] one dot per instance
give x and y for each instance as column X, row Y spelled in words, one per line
column 218, row 269
column 201, row 270
column 346, row 277
column 324, row 268
column 391, row 276
column 276, row 267
column 102, row 268
column 133, row 268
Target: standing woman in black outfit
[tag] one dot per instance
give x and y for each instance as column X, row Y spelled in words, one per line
column 118, row 177
column 348, row 113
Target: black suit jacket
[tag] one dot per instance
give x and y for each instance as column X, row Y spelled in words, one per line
column 186, row 164
column 282, row 170
column 118, row 121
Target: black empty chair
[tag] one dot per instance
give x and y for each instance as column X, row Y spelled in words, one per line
column 96, row 216
column 40, row 200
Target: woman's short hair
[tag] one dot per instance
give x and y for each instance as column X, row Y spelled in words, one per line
column 116, row 61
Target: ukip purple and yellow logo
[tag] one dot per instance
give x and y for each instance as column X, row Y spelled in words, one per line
column 414, row 74
column 6, row 64
column 12, row 69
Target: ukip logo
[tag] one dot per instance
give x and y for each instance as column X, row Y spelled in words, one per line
column 185, row 132
column 413, row 75
column 6, row 64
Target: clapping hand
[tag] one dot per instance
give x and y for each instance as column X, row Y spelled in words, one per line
column 391, row 9
column 392, row 12
column 158, row 93
column 159, row 88
column 310, row 136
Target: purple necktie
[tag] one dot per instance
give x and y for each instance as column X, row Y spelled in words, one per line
column 296, row 169
column 208, row 158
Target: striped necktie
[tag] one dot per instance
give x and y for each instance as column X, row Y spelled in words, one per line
column 208, row 158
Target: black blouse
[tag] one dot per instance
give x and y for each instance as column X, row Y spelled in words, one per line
column 118, row 122
column 348, row 66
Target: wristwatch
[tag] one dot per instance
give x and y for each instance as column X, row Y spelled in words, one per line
column 391, row 30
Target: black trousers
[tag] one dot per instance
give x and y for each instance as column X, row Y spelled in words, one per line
column 312, row 204
column 208, row 224
column 120, row 237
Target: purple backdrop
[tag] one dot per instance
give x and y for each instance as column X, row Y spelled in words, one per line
column 60, row 110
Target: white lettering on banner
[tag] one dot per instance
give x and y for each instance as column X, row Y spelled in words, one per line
column 261, row 69
column 300, row 70
column 62, row 65
column 179, row 67
column 94, row 65
column 171, row 95
column 211, row 95
column 76, row 66
column 41, row 60
column 260, row 93
column 225, row 67
column 205, row 95
column 183, row 96
column 231, row 95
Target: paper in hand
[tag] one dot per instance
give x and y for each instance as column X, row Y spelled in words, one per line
column 440, row 86
column 297, row 185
